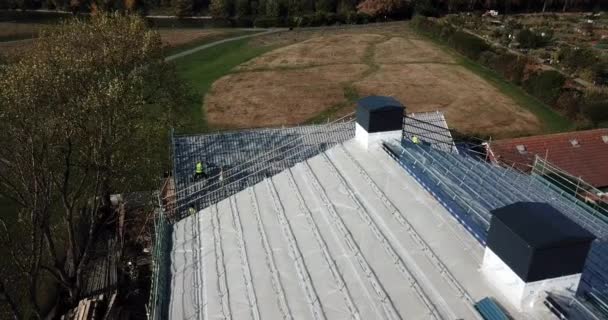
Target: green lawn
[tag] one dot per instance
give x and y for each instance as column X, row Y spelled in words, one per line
column 226, row 33
column 202, row 68
column 551, row 120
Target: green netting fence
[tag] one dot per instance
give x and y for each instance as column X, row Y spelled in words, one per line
column 160, row 287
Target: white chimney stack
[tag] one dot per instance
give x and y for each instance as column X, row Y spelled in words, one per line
column 379, row 118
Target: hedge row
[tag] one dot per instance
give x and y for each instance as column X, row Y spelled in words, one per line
column 549, row 86
column 317, row 19
column 310, row 20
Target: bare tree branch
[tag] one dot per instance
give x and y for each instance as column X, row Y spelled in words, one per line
column 10, row 244
column 5, row 297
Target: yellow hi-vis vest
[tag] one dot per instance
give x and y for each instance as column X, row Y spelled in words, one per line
column 199, row 167
column 415, row 140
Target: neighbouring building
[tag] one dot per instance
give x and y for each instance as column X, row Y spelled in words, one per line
column 582, row 154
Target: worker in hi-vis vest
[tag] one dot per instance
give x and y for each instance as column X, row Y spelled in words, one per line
column 221, row 178
column 199, row 170
column 415, row 140
column 191, row 211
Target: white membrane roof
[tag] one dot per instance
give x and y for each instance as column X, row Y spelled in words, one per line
column 347, row 234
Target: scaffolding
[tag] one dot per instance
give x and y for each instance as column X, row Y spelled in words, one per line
column 575, row 188
column 430, row 128
column 468, row 188
column 471, row 189
column 237, row 159
column 159, row 288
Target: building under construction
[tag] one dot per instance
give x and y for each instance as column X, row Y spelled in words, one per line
column 378, row 215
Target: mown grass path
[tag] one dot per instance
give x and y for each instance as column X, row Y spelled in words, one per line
column 219, row 42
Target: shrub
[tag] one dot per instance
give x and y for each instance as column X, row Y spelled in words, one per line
column 602, row 44
column 219, row 8
column 182, row 8
column 417, row 22
column 331, row 19
column 363, row 18
column 568, row 103
column 595, row 107
column 301, row 21
column 242, row 22
column 487, row 58
column 497, row 33
column 513, row 24
column 456, row 20
column 324, row 6
column 600, row 72
column 545, row 85
column 586, row 74
column 267, row 22
column 426, row 8
column 426, row 25
column 447, row 32
column 351, row 17
column 468, row 44
column 511, row 66
column 508, row 65
column 577, row 58
column 242, row 8
column 319, row 19
column 273, row 8
column 529, row 39
column 340, row 18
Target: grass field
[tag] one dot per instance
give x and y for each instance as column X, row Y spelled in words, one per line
column 203, row 68
column 551, row 121
column 311, row 76
column 177, row 40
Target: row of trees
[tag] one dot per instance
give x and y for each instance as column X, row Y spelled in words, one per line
column 510, row 6
column 389, row 8
column 292, row 8
column 83, row 115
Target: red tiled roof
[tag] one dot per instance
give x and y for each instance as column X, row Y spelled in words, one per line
column 588, row 160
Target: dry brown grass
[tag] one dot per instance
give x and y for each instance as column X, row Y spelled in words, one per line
column 392, row 29
column 176, row 37
column 273, row 98
column 295, row 83
column 401, row 50
column 470, row 104
column 323, row 50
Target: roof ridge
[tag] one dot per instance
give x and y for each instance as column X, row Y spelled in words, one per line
column 551, row 135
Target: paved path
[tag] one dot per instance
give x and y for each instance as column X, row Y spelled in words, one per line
column 15, row 41
column 215, row 43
